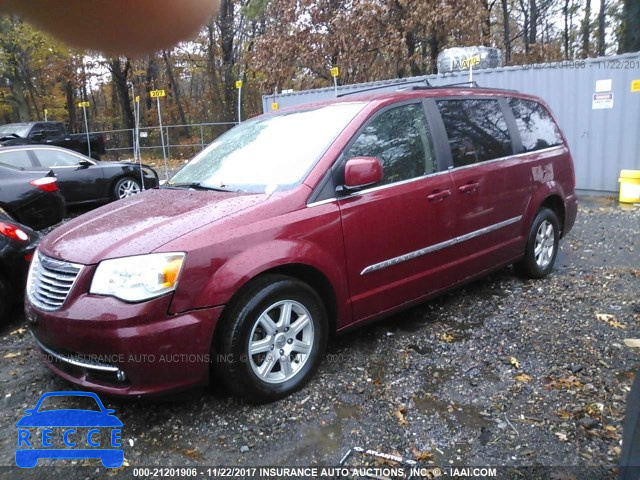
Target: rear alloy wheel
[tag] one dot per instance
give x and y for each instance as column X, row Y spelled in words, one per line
column 542, row 245
column 125, row 187
column 273, row 339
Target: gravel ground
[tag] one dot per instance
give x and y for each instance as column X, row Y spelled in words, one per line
column 504, row 372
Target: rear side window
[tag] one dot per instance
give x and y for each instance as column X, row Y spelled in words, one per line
column 55, row 129
column 476, row 129
column 17, row 158
column 537, row 128
column 400, row 138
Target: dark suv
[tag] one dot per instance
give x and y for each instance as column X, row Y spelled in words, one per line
column 295, row 225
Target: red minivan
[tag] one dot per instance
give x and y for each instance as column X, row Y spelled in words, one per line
column 295, row 225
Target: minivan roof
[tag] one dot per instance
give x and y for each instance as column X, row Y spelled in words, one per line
column 413, row 92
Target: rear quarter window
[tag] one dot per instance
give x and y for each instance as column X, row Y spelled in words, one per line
column 537, row 128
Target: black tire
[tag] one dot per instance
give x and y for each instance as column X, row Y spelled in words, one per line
column 121, row 184
column 630, row 455
column 239, row 325
column 532, row 265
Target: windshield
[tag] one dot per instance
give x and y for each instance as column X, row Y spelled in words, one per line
column 17, row 128
column 268, row 153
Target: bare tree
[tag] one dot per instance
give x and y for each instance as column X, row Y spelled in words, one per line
column 506, row 32
column 601, row 28
column 586, row 23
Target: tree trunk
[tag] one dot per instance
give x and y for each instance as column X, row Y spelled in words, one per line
column 119, row 75
column 565, row 35
column 601, row 28
column 506, row 33
column 533, row 21
column 211, row 63
column 151, row 79
column 175, row 88
column 631, row 26
column 486, row 23
column 585, row 29
column 434, row 48
column 226, row 24
column 525, row 13
column 71, row 105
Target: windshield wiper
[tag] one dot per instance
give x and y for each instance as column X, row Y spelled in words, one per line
column 198, row 186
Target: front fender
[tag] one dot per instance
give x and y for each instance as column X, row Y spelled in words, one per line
column 235, row 272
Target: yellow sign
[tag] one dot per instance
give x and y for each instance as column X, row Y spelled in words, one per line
column 137, row 99
column 275, row 106
column 157, row 93
column 635, row 85
column 238, row 83
column 84, row 104
column 46, row 111
column 335, row 72
column 468, row 62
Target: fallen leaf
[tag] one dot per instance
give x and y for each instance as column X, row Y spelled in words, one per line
column 563, row 414
column 523, row 377
column 13, row 355
column 610, row 320
column 192, row 453
column 565, row 382
column 421, row 455
column 594, row 409
column 514, row 361
column 447, row 337
column 399, row 414
column 19, row 331
column 562, row 436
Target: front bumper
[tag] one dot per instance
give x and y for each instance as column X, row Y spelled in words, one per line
column 120, row 349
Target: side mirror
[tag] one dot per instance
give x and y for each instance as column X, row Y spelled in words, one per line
column 360, row 172
column 37, row 135
column 85, row 163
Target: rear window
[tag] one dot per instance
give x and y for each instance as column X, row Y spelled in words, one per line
column 537, row 128
column 17, row 159
column 476, row 129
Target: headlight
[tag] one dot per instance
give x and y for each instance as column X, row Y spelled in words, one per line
column 138, row 278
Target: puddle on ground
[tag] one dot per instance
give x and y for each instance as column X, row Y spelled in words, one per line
column 344, row 411
column 324, row 439
column 455, row 415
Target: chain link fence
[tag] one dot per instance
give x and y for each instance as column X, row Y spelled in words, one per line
column 182, row 142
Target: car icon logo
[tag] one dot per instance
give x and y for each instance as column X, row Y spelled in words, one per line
column 69, row 433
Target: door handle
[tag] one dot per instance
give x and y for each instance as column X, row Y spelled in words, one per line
column 439, row 196
column 468, row 188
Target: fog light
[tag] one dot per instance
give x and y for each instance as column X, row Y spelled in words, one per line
column 121, row 376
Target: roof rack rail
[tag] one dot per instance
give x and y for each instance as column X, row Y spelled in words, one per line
column 378, row 87
column 472, row 84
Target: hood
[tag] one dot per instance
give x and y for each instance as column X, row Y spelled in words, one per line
column 141, row 224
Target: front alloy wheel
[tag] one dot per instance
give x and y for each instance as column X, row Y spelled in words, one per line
column 271, row 338
column 126, row 187
column 281, row 341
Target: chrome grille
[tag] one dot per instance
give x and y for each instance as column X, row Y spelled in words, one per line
column 50, row 281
